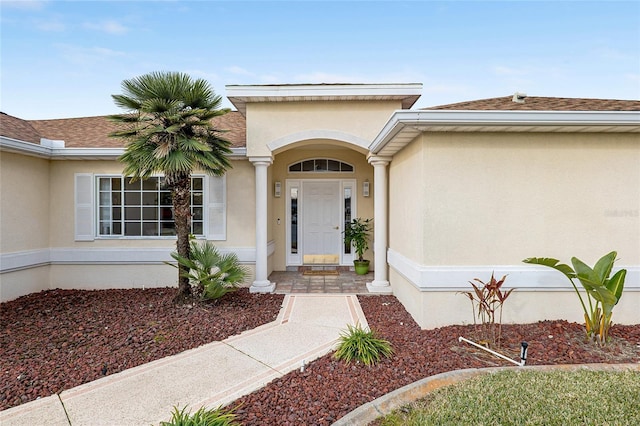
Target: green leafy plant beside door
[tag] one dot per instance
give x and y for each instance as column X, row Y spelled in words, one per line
column 602, row 292
column 358, row 232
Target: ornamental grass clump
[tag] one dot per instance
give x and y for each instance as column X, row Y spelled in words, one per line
column 602, row 292
column 202, row 417
column 489, row 299
column 360, row 345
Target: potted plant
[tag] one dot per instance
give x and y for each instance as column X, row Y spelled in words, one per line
column 357, row 232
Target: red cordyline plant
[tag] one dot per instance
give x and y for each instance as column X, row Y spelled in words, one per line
column 489, row 298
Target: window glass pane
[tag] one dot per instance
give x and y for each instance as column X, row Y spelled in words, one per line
column 294, row 220
column 166, row 213
column 163, row 185
column 105, row 213
column 131, row 186
column 167, row 228
column 105, row 198
column 105, row 184
column 333, row 165
column 196, row 213
column 196, row 228
column 150, row 213
column 105, row 228
column 150, row 228
column 347, row 215
column 321, row 165
column 116, row 198
column 132, row 228
column 132, row 213
column 150, row 198
column 296, row 167
column 150, row 184
column 165, row 198
column 132, row 198
column 148, row 210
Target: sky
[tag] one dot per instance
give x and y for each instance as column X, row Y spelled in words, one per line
column 62, row 59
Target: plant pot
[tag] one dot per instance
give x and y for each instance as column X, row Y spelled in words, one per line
column 361, row 266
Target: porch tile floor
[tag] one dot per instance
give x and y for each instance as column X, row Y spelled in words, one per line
column 295, row 282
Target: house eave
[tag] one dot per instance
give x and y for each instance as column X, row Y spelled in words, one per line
column 404, row 126
column 240, row 95
column 33, row 150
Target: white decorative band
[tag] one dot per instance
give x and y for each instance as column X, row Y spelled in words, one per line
column 100, row 256
column 523, row 277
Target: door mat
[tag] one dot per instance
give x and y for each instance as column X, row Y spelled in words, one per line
column 312, row 272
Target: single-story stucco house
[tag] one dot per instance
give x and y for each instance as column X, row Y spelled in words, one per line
column 456, row 192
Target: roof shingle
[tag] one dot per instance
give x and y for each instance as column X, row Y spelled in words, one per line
column 17, row 128
column 539, row 103
column 93, row 132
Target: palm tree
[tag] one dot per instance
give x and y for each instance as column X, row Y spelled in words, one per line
column 167, row 129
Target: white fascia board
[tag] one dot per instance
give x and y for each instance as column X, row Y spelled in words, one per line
column 401, row 120
column 240, row 95
column 324, row 90
column 27, row 148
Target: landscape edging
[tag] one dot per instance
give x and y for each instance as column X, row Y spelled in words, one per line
column 384, row 405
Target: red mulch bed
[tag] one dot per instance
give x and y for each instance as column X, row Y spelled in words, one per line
column 58, row 339
column 55, row 340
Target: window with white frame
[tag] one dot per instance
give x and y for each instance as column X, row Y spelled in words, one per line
column 108, row 206
column 143, row 208
column 320, row 165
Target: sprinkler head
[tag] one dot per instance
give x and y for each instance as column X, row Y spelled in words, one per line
column 523, row 352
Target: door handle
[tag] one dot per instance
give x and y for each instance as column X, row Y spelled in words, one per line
column 337, row 227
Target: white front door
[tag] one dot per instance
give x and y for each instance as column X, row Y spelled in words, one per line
column 321, row 209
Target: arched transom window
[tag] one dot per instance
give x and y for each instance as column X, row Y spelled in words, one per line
column 321, row 165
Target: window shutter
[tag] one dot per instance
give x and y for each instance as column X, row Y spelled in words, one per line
column 84, row 207
column 217, row 208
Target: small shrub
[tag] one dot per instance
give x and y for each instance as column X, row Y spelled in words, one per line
column 212, row 274
column 358, row 344
column 202, row 417
column 603, row 292
column 489, row 300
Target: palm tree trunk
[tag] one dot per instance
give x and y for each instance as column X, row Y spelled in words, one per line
column 181, row 193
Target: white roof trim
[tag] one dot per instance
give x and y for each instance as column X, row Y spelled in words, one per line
column 240, row 95
column 31, row 149
column 404, row 126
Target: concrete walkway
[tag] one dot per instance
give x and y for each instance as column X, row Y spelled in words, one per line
column 214, row 374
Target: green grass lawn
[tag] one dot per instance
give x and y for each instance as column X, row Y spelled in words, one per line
column 530, row 398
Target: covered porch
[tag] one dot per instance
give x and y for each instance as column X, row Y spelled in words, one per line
column 338, row 282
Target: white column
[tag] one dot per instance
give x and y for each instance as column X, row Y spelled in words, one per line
column 380, row 283
column 262, row 283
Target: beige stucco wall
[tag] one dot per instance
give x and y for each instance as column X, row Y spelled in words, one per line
column 97, row 276
column 268, row 122
column 280, row 172
column 498, row 198
column 240, row 206
column 37, row 228
column 488, row 200
column 407, row 204
column 24, row 196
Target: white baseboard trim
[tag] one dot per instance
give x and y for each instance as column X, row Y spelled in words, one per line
column 523, row 277
column 10, row 262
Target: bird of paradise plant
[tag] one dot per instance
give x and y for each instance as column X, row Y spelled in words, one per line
column 602, row 292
